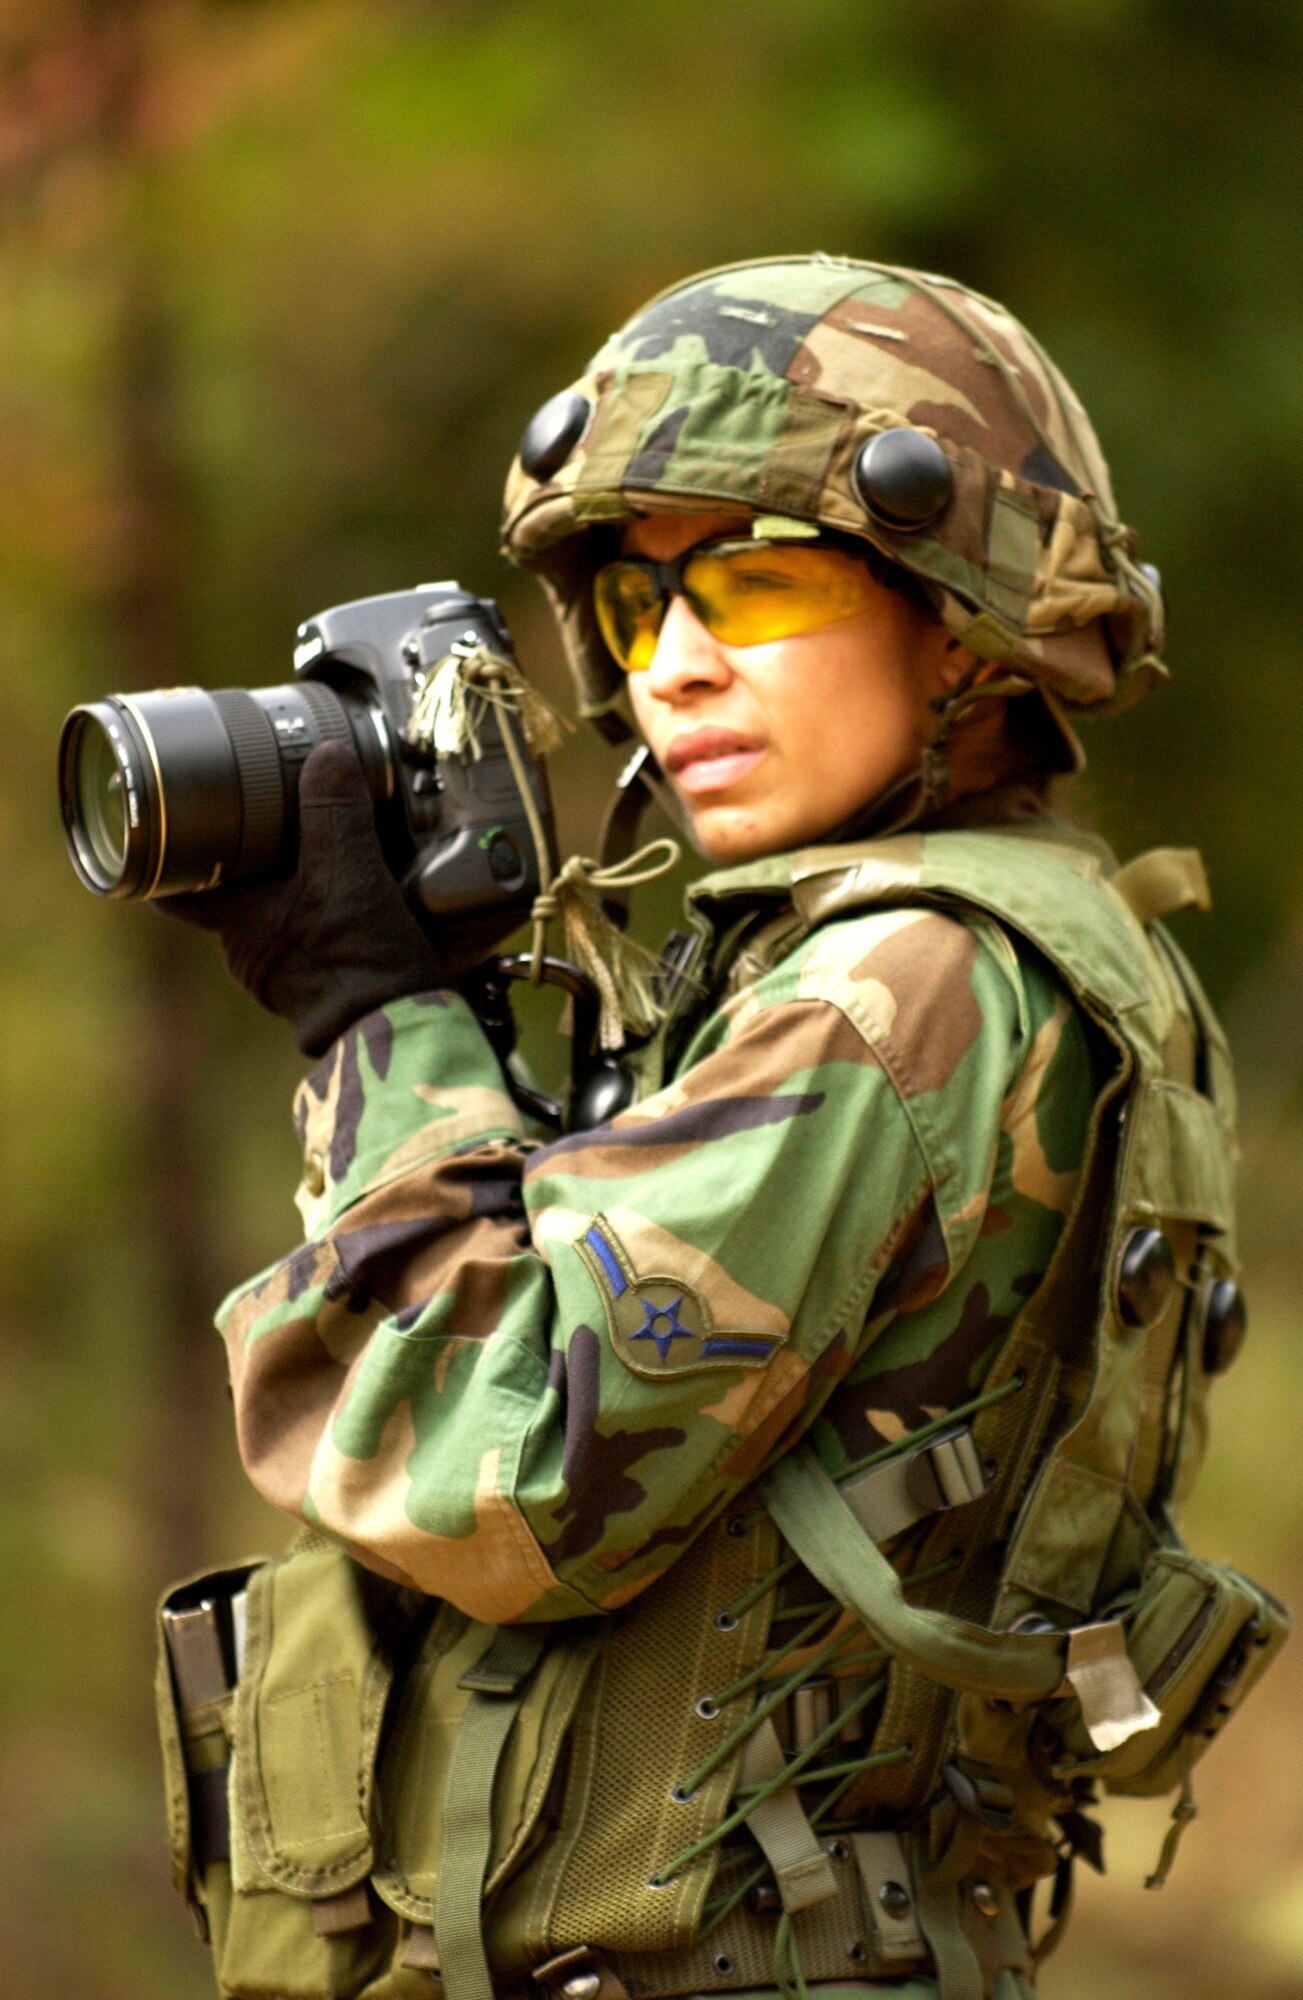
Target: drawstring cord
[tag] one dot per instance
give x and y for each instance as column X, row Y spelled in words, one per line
column 796, row 1764
column 1183, row 1812
column 784, row 1613
column 926, row 1432
column 787, row 1960
column 710, row 1704
column 735, row 1819
column 457, row 694
column 716, row 1913
column 622, row 970
column 764, row 1707
column 801, row 1637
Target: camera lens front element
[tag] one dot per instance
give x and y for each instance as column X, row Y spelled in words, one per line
column 151, row 791
column 113, row 816
column 101, row 790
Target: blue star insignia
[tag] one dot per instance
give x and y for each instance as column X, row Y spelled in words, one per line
column 662, row 1324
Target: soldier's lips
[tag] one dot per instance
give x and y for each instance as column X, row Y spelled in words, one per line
column 710, row 760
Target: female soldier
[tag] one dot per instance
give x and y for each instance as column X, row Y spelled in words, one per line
column 590, row 1668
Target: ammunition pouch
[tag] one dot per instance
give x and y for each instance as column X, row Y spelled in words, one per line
column 1199, row 1637
column 405, row 1785
column 326, row 1880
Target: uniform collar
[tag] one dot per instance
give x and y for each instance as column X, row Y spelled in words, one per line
column 721, row 897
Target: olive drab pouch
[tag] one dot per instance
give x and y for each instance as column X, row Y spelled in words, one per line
column 1199, row 1636
column 315, row 1644
column 200, row 1635
column 323, row 1763
column 432, row 1709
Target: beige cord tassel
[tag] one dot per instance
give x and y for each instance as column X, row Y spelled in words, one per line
column 622, row 970
column 446, row 718
column 457, row 694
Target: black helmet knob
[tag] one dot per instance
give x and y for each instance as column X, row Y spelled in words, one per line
column 1146, row 1273
column 904, row 478
column 1225, row 1323
column 553, row 432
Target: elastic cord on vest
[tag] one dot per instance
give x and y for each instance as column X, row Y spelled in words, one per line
column 909, row 1442
column 843, row 1774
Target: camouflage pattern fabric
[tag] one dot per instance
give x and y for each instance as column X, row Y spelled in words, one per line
column 523, row 1377
column 754, row 387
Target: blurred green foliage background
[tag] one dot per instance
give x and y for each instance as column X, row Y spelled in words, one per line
column 280, row 283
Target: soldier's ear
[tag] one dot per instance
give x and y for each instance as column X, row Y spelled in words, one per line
column 958, row 662
column 946, row 660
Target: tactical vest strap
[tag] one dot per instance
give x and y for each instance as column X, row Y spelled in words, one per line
column 956, row 1841
column 1161, row 882
column 888, row 1498
column 816, row 1521
column 497, row 1683
column 802, row 1870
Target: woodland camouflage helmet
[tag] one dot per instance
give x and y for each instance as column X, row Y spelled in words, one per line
column 885, row 403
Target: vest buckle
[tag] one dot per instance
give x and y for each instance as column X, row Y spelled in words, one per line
column 943, row 1473
column 580, row 1974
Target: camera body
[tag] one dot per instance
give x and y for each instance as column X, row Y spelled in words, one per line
column 182, row 789
column 457, row 833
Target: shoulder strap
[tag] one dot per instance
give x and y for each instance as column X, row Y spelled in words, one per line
column 1161, row 882
column 814, row 1518
column 1052, row 891
column 496, row 1683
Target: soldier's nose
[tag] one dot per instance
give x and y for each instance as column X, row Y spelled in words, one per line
column 686, row 655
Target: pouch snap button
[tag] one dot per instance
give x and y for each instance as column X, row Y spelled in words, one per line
column 985, row 1900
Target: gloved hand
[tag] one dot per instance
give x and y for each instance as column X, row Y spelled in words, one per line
column 326, row 944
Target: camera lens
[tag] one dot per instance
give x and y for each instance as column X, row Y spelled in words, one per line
column 180, row 788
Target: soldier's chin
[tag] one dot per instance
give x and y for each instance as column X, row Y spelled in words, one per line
column 727, row 833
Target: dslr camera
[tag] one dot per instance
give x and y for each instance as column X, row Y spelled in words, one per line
column 187, row 788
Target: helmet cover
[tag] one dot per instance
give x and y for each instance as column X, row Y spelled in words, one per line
column 759, row 388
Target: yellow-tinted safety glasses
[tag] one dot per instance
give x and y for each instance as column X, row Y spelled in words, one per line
column 744, row 592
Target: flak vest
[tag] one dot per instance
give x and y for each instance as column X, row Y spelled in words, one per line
column 394, row 1801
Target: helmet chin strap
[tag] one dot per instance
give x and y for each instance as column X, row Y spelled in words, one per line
column 928, row 786
column 640, row 784
column 908, row 800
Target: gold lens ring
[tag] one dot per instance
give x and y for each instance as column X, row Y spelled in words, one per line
column 151, row 749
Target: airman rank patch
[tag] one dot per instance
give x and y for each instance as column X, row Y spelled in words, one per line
column 660, row 1324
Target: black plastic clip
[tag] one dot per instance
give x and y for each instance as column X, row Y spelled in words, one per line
column 984, row 1799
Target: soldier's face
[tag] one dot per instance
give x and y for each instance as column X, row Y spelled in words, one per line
column 772, row 746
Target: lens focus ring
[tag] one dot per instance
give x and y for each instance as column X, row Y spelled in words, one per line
column 262, row 787
column 329, row 722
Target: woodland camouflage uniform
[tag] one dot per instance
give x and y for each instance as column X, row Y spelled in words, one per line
column 543, row 1645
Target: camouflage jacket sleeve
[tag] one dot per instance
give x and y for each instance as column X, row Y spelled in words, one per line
column 522, row 1378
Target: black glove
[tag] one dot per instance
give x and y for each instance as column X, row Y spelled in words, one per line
column 325, row 945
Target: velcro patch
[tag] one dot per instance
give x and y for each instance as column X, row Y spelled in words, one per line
column 659, row 1323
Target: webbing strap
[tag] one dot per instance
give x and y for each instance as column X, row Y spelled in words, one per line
column 1162, row 881
column 959, row 1976
column 801, row 1868
column 496, row 1682
column 817, row 1523
column 893, row 1495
